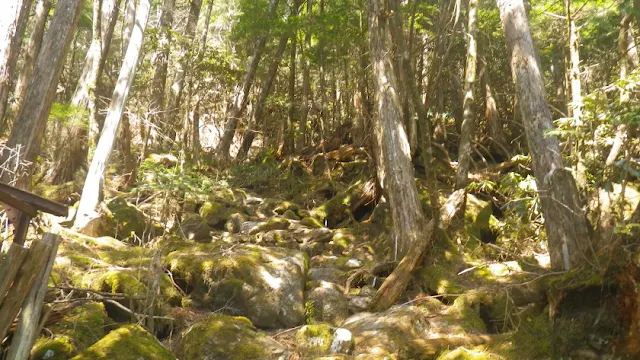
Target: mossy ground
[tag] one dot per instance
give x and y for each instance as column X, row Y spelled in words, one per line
column 129, row 342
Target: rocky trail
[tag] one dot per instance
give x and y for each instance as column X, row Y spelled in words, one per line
column 231, row 272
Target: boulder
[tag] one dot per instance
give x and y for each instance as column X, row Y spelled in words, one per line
column 264, row 284
column 388, row 332
column 327, row 305
column 230, row 338
column 195, row 228
column 130, row 342
column 321, row 340
column 80, row 328
column 254, row 227
column 234, row 224
column 119, row 219
column 214, row 213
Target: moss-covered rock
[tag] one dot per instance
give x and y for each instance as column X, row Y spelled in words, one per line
column 124, row 220
column 462, row 353
column 226, row 337
column 477, row 215
column 387, row 333
column 128, row 342
column 195, row 228
column 263, row 284
column 327, row 305
column 285, row 206
column 314, row 340
column 234, row 224
column 290, row 215
column 80, row 328
column 311, row 222
column 275, row 223
column 214, row 213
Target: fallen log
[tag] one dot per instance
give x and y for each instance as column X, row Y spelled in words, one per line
column 397, row 282
column 427, row 348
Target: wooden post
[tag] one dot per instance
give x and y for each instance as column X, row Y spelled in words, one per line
column 36, row 258
column 29, row 321
column 9, row 268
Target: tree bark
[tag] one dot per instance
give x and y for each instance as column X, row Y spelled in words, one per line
column 565, row 222
column 30, row 124
column 468, row 117
column 250, row 134
column 92, row 189
column 306, row 82
column 12, row 26
column 31, row 53
column 175, row 92
column 289, row 131
column 628, row 55
column 394, row 169
column 161, row 62
column 492, row 116
column 239, row 101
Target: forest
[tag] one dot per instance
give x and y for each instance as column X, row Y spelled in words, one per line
column 319, row 179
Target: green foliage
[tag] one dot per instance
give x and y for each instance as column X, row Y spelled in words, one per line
column 157, row 177
column 69, row 115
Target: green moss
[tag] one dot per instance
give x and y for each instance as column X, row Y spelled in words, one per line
column 314, row 340
column 466, row 313
column 124, row 221
column 214, row 213
column 286, row 206
column 220, row 336
column 466, row 354
column 56, row 348
column 310, row 312
column 311, row 222
column 80, row 328
column 289, row 214
column 533, row 338
column 114, row 281
column 128, row 342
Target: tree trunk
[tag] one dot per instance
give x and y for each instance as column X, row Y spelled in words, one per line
column 239, row 101
column 175, row 92
column 289, row 131
column 12, row 26
column 30, row 124
column 494, row 124
column 628, row 55
column 161, row 62
column 306, row 82
column 565, row 222
column 92, row 190
column 250, row 134
column 468, row 127
column 31, row 53
column 394, row 170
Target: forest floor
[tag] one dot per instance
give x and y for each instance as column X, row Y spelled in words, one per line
column 281, row 259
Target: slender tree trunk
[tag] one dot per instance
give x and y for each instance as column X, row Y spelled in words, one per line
column 394, row 169
column 468, row 116
column 628, row 55
column 361, row 99
column 496, row 132
column 250, row 134
column 239, row 101
column 30, row 124
column 574, row 56
column 565, row 222
column 92, row 191
column 161, row 63
column 73, row 151
column 13, row 23
column 175, row 92
column 31, row 53
column 289, row 132
column 306, row 82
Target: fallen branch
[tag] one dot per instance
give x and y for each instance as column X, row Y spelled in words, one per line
column 427, row 348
